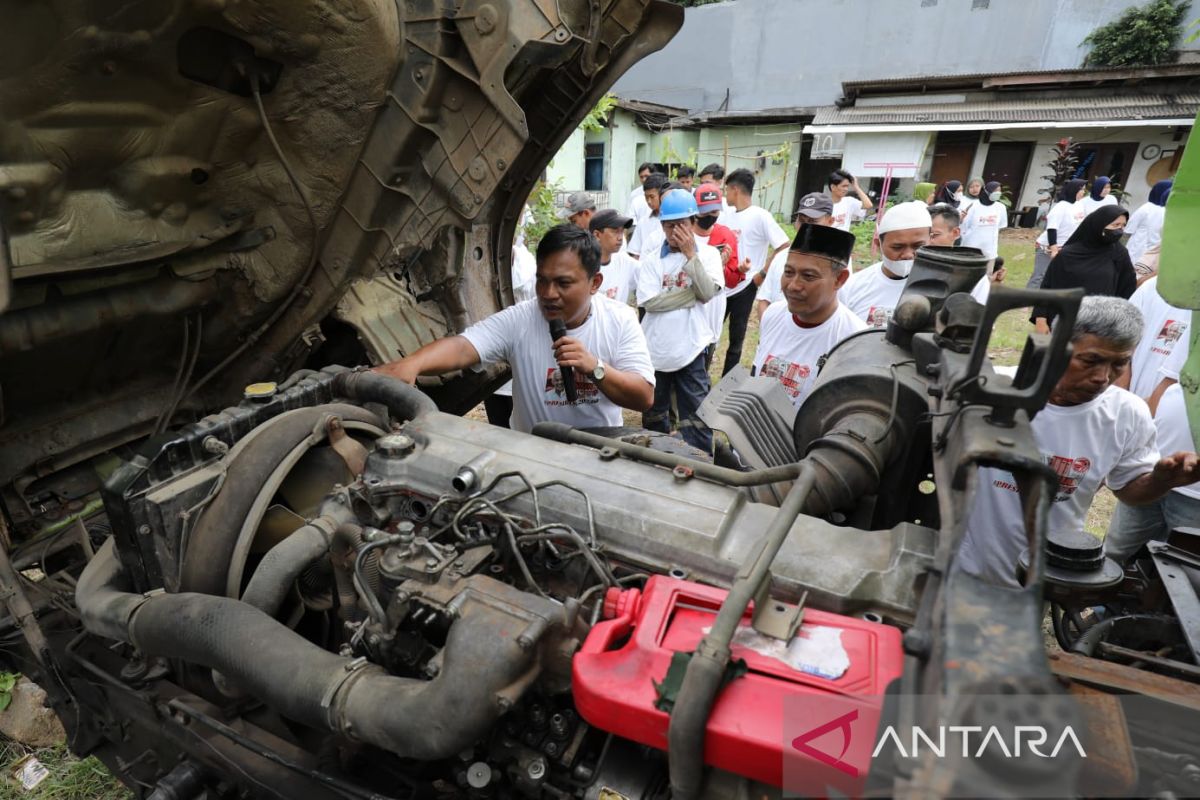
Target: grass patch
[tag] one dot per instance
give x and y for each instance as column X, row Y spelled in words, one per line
column 70, row 778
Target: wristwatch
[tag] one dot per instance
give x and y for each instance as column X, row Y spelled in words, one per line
column 598, row 372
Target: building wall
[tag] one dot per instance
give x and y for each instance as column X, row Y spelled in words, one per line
column 756, row 51
column 1146, row 139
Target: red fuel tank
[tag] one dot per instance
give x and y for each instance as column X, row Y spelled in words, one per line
column 831, row 656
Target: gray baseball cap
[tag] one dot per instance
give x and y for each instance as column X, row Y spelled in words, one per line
column 576, row 202
column 815, row 205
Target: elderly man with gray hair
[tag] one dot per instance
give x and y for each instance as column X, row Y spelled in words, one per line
column 1090, row 432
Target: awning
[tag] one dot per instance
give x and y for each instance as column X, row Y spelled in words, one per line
column 1106, row 111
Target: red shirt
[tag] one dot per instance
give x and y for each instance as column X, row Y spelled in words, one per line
column 717, row 235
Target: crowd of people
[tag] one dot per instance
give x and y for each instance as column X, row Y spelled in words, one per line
column 624, row 311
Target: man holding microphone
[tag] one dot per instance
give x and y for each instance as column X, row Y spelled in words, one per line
column 576, row 356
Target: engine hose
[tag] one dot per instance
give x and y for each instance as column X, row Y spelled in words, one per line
column 702, row 680
column 283, row 564
column 344, row 549
column 486, row 663
column 1087, row 643
column 405, row 402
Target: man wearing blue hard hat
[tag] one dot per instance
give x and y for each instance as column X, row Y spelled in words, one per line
column 675, row 281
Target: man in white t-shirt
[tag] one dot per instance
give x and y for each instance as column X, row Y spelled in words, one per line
column 850, row 202
column 759, row 240
column 872, row 293
column 648, row 234
column 1090, row 432
column 638, row 209
column 816, row 209
column 603, row 345
column 809, row 322
column 1133, row 526
column 617, row 269
column 674, row 284
column 1166, row 328
column 946, row 232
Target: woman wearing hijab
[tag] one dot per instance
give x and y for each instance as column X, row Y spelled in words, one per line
column 1061, row 222
column 1146, row 224
column 925, row 193
column 1094, row 260
column 971, row 194
column 950, row 193
column 1099, row 195
column 982, row 223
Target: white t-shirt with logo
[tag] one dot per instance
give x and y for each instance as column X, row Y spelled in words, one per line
column 789, row 353
column 1064, row 218
column 981, row 227
column 1165, row 326
column 758, row 234
column 619, row 277
column 1110, row 439
column 847, row 211
column 1173, row 364
column 1174, row 435
column 675, row 338
column 647, row 236
column 520, row 335
column 872, row 295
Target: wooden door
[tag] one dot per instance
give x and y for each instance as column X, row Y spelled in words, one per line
column 1008, row 163
column 953, row 153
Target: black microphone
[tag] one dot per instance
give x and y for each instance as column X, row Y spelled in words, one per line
column 558, row 329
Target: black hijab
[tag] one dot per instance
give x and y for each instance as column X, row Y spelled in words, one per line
column 1087, row 261
column 946, row 195
column 985, row 194
column 1070, row 189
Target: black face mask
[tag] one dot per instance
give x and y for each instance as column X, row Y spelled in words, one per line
column 706, row 223
column 1112, row 237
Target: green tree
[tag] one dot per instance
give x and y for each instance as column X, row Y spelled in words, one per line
column 1142, row 36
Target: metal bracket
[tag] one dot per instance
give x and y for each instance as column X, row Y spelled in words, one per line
column 775, row 618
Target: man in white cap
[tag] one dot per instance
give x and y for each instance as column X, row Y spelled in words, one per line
column 872, row 293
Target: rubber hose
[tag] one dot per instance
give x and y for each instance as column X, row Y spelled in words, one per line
column 404, row 401
column 1087, row 643
column 284, row 562
column 482, row 662
column 211, row 545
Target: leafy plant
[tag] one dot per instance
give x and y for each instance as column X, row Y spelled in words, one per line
column 7, row 681
column 544, row 212
column 598, row 116
column 1141, row 36
column 1066, row 158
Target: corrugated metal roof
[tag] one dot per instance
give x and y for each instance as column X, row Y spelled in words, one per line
column 1185, row 68
column 1126, row 106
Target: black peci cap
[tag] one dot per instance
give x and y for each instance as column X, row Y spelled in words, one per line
column 822, row 240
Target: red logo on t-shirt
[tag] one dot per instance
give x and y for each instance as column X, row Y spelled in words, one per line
column 586, row 392
column 611, row 293
column 1070, row 473
column 791, row 375
column 1172, row 331
column 680, row 280
column 878, row 316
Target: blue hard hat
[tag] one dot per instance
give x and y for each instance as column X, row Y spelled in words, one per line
column 677, row 204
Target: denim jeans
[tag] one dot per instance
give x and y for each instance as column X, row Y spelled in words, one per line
column 691, row 386
column 737, row 311
column 1133, row 526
